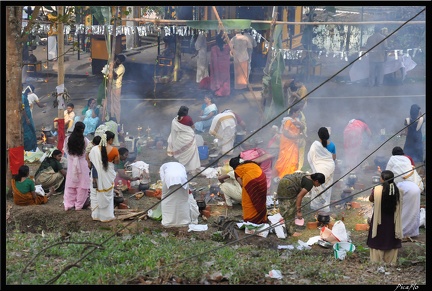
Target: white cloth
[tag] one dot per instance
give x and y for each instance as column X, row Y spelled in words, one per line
column 403, row 170
column 32, row 98
column 410, row 197
column 321, row 161
column 231, row 190
column 223, row 127
column 360, row 69
column 141, row 170
column 102, row 198
column 202, row 62
column 52, row 47
column 182, row 145
column 179, row 208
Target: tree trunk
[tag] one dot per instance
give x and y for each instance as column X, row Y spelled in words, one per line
column 60, row 77
column 14, row 46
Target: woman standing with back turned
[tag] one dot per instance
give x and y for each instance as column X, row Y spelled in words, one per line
column 385, row 233
column 77, row 184
column 103, row 157
column 321, row 160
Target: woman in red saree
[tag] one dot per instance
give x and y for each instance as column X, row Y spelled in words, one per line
column 291, row 134
column 254, row 189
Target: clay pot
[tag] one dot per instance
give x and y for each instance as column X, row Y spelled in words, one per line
column 312, row 225
column 355, row 205
column 361, row 227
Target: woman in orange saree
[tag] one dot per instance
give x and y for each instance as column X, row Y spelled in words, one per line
column 291, row 133
column 254, row 189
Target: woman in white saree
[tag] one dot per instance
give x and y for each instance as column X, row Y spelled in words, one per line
column 182, row 143
column 321, row 161
column 102, row 198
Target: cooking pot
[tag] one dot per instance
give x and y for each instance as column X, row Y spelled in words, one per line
column 143, row 186
column 323, row 218
column 201, row 205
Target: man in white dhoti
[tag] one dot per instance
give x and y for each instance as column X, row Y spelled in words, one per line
column 223, row 127
column 178, row 206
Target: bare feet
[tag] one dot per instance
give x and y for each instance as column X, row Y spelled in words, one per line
column 51, row 192
column 296, row 234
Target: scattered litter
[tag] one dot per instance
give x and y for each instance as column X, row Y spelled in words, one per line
column 280, row 229
column 340, row 249
column 197, row 227
column 303, row 246
column 155, row 213
column 39, row 190
column 285, row 247
column 313, row 240
column 276, row 274
column 252, row 228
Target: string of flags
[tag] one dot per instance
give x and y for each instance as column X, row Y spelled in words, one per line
column 150, row 28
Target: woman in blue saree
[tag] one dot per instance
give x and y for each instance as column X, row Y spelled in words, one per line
column 30, row 141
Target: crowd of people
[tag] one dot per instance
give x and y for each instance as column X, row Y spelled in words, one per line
column 257, row 174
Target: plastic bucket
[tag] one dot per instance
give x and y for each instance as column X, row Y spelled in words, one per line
column 203, row 152
column 340, row 249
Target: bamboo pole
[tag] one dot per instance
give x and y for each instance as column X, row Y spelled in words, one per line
column 111, row 52
column 183, row 22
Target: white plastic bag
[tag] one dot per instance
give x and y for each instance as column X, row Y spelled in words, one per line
column 423, row 217
column 280, row 228
column 39, row 190
column 339, row 231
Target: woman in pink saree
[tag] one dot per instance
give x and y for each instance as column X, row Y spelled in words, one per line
column 220, row 67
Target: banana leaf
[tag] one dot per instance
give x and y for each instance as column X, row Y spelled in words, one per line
column 273, row 81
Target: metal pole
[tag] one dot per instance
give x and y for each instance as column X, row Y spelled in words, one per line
column 79, row 46
column 361, row 29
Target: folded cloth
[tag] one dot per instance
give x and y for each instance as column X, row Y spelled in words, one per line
column 197, row 227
